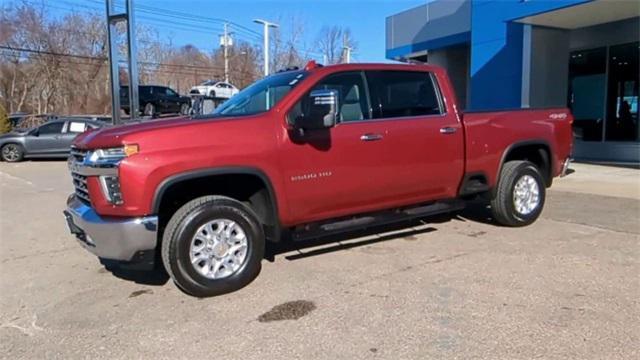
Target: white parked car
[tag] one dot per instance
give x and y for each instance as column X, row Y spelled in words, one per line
column 213, row 88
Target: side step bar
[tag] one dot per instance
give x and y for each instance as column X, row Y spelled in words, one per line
column 364, row 221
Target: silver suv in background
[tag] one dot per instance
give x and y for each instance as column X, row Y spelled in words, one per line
column 50, row 140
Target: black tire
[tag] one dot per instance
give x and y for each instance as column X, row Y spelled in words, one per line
column 149, row 110
column 12, row 153
column 182, row 227
column 184, row 109
column 127, row 111
column 212, row 93
column 503, row 205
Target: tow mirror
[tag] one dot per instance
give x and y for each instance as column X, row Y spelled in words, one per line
column 322, row 113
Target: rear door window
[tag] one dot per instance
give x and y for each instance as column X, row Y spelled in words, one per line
column 397, row 94
column 77, row 127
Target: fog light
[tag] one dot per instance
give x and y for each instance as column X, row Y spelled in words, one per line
column 111, row 189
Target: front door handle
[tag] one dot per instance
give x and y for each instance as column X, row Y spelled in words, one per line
column 448, row 130
column 371, row 137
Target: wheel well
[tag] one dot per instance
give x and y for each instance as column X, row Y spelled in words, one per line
column 247, row 188
column 538, row 154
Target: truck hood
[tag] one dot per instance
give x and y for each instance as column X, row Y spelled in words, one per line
column 135, row 132
column 115, row 135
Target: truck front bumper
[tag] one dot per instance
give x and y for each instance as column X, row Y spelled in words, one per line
column 109, row 237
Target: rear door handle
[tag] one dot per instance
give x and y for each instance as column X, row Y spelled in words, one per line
column 371, row 137
column 448, row 130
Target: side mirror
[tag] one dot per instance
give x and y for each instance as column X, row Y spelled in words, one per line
column 34, row 132
column 322, row 113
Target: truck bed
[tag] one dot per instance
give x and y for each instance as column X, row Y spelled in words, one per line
column 489, row 135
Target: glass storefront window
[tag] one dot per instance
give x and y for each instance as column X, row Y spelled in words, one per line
column 587, row 85
column 622, row 102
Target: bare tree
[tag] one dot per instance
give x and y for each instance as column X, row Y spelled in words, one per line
column 285, row 47
column 331, row 42
column 59, row 65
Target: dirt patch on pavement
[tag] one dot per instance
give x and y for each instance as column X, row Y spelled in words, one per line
column 291, row 310
column 140, row 292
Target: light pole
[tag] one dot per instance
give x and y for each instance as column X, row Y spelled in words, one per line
column 266, row 26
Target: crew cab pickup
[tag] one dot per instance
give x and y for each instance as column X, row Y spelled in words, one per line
column 304, row 153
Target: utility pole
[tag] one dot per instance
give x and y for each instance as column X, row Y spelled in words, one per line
column 225, row 43
column 265, row 45
column 346, row 57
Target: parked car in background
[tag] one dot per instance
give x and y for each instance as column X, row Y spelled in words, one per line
column 156, row 100
column 50, row 140
column 100, row 118
column 214, row 89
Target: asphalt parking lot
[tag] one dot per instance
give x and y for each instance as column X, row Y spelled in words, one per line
column 455, row 287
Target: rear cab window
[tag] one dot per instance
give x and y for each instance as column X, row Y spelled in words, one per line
column 397, row 94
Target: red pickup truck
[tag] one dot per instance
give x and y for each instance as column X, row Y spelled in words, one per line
column 304, row 152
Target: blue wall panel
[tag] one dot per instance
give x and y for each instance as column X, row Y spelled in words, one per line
column 496, row 49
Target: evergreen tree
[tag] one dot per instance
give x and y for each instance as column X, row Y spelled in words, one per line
column 5, row 125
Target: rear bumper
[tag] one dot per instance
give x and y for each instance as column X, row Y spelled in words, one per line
column 110, row 238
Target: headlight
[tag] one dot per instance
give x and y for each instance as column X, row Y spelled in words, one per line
column 111, row 155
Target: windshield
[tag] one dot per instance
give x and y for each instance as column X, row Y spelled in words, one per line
column 262, row 95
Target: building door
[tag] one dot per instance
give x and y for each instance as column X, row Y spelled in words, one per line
column 622, row 94
column 587, row 85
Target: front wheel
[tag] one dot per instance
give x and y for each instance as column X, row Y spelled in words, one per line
column 520, row 195
column 12, row 153
column 213, row 245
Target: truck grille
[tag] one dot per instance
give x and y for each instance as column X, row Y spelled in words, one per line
column 80, row 181
column 78, row 154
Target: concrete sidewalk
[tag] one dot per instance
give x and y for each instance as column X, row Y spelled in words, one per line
column 601, row 180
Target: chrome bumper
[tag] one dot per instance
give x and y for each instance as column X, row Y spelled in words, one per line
column 110, row 238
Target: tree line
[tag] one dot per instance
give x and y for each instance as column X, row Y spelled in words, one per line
column 60, row 66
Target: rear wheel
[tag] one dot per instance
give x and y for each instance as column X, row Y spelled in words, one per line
column 520, row 195
column 12, row 153
column 149, row 110
column 213, row 245
column 184, row 109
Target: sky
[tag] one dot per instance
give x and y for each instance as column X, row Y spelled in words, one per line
column 365, row 18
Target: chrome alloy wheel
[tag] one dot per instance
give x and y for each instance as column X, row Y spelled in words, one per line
column 526, row 195
column 10, row 152
column 218, row 249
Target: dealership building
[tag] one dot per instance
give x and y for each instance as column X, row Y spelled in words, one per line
column 506, row 54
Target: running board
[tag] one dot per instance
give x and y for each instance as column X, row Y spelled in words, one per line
column 319, row 229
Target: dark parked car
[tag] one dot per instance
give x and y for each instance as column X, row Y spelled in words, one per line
column 50, row 140
column 156, row 100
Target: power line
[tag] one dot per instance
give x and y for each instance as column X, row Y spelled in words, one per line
column 104, row 58
column 179, row 71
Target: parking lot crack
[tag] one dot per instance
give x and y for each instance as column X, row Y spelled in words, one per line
column 20, row 257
